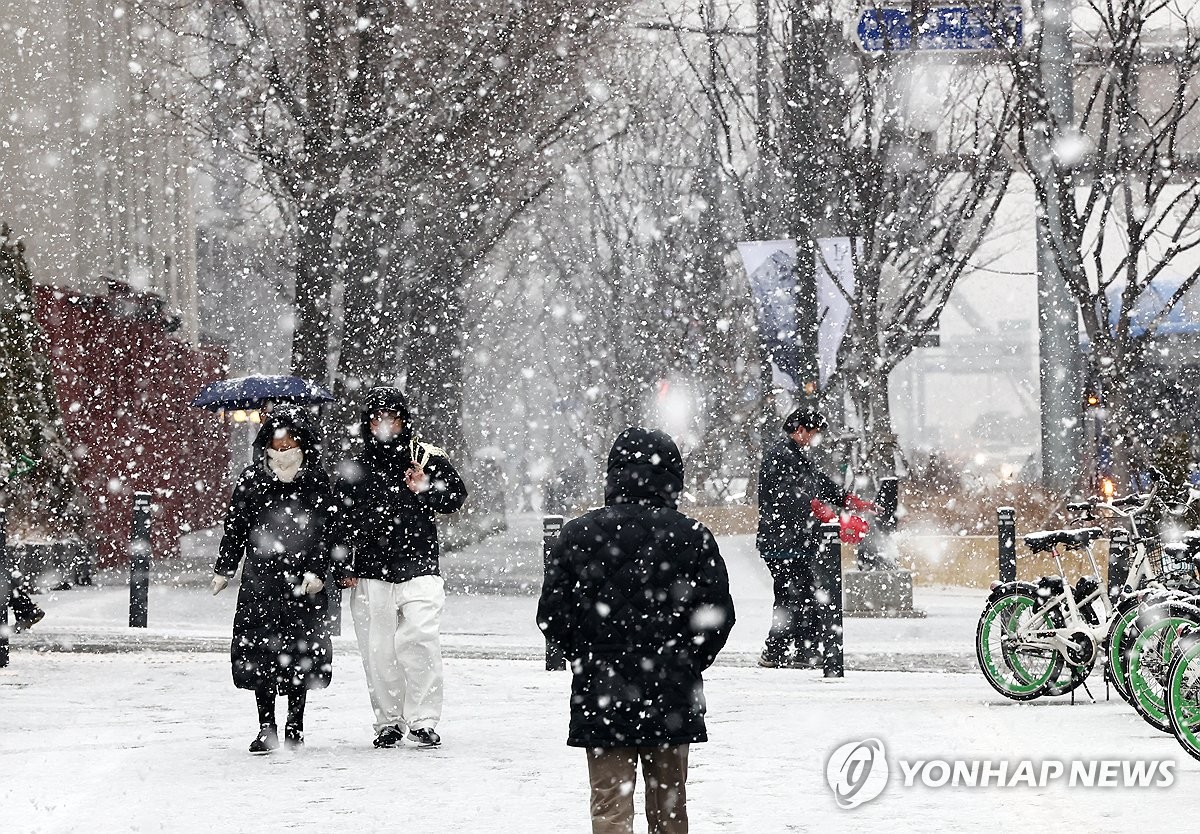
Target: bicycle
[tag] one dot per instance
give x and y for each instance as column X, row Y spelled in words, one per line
column 1029, row 634
column 1044, row 638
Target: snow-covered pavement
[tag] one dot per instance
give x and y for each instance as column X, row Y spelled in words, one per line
column 182, row 613
column 141, row 729
column 157, row 741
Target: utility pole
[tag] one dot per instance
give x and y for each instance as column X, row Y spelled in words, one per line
column 1058, row 339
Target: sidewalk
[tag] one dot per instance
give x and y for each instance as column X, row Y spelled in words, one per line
column 490, row 611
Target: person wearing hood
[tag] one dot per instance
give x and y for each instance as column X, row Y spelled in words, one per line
column 389, row 494
column 278, row 527
column 637, row 594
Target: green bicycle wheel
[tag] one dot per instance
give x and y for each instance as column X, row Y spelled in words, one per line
column 1183, row 695
column 1150, row 658
column 1019, row 672
column 1121, row 633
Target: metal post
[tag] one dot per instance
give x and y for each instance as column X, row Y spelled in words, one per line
column 5, row 587
column 1007, row 528
column 887, row 501
column 139, row 561
column 828, row 600
column 1118, row 562
column 1058, row 330
column 552, row 525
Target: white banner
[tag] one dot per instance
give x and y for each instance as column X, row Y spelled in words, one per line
column 771, row 269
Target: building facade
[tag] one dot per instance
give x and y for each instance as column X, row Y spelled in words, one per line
column 93, row 175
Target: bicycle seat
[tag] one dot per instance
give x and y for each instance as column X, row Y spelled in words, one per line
column 1129, row 501
column 1045, row 540
column 1079, row 506
column 1177, row 550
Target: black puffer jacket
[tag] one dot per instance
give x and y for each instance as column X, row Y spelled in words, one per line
column 388, row 529
column 638, row 595
column 280, row 636
column 788, row 482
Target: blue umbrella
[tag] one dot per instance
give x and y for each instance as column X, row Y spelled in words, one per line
column 252, row 392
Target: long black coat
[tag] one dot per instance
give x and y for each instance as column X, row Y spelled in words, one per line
column 280, row 637
column 638, row 595
column 788, row 482
column 389, row 529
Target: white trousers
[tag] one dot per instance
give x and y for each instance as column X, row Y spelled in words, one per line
column 397, row 627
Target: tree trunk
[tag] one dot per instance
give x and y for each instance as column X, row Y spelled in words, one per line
column 314, row 281
column 435, row 360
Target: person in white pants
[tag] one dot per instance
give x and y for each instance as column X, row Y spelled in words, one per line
column 388, row 495
column 397, row 626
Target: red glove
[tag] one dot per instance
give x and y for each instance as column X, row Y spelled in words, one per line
column 854, row 529
column 853, row 502
column 823, row 512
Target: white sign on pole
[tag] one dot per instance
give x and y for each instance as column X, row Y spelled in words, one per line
column 771, row 268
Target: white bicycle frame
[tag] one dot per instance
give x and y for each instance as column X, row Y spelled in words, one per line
column 1059, row 639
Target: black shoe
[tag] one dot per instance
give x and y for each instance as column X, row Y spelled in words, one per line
column 425, row 738
column 811, row 661
column 266, row 740
column 293, row 739
column 768, row 662
column 389, row 736
column 26, row 623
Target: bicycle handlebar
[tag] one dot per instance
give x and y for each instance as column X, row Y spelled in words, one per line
column 1141, row 503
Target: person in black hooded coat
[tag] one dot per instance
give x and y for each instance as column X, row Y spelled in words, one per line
column 638, row 596
column 278, row 526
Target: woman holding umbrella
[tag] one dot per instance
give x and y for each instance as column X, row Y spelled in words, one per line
column 277, row 522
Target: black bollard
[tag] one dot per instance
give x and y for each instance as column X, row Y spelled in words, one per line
column 1006, row 526
column 827, row 581
column 5, row 587
column 887, row 501
column 552, row 525
column 1118, row 562
column 139, row 561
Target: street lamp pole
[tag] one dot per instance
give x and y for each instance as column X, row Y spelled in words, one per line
column 1058, row 329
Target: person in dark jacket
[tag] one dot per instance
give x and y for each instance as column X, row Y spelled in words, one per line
column 794, row 498
column 26, row 612
column 278, row 527
column 389, row 494
column 638, row 596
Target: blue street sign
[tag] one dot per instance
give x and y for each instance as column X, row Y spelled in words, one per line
column 956, row 28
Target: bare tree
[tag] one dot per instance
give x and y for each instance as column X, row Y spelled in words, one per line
column 399, row 140
column 1120, row 178
column 812, row 143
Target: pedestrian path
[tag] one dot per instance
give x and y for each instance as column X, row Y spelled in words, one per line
column 490, row 610
column 157, row 742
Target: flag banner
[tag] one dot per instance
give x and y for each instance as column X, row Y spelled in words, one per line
column 771, row 268
column 835, row 288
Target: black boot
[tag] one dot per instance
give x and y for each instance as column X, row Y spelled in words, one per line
column 266, row 740
column 293, row 733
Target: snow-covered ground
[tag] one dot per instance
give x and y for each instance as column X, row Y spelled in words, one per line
column 157, row 742
column 181, row 609
column 145, row 731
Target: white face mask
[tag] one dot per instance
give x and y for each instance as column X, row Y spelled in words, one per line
column 285, row 464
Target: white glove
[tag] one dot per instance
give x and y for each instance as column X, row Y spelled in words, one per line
column 219, row 583
column 312, row 584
